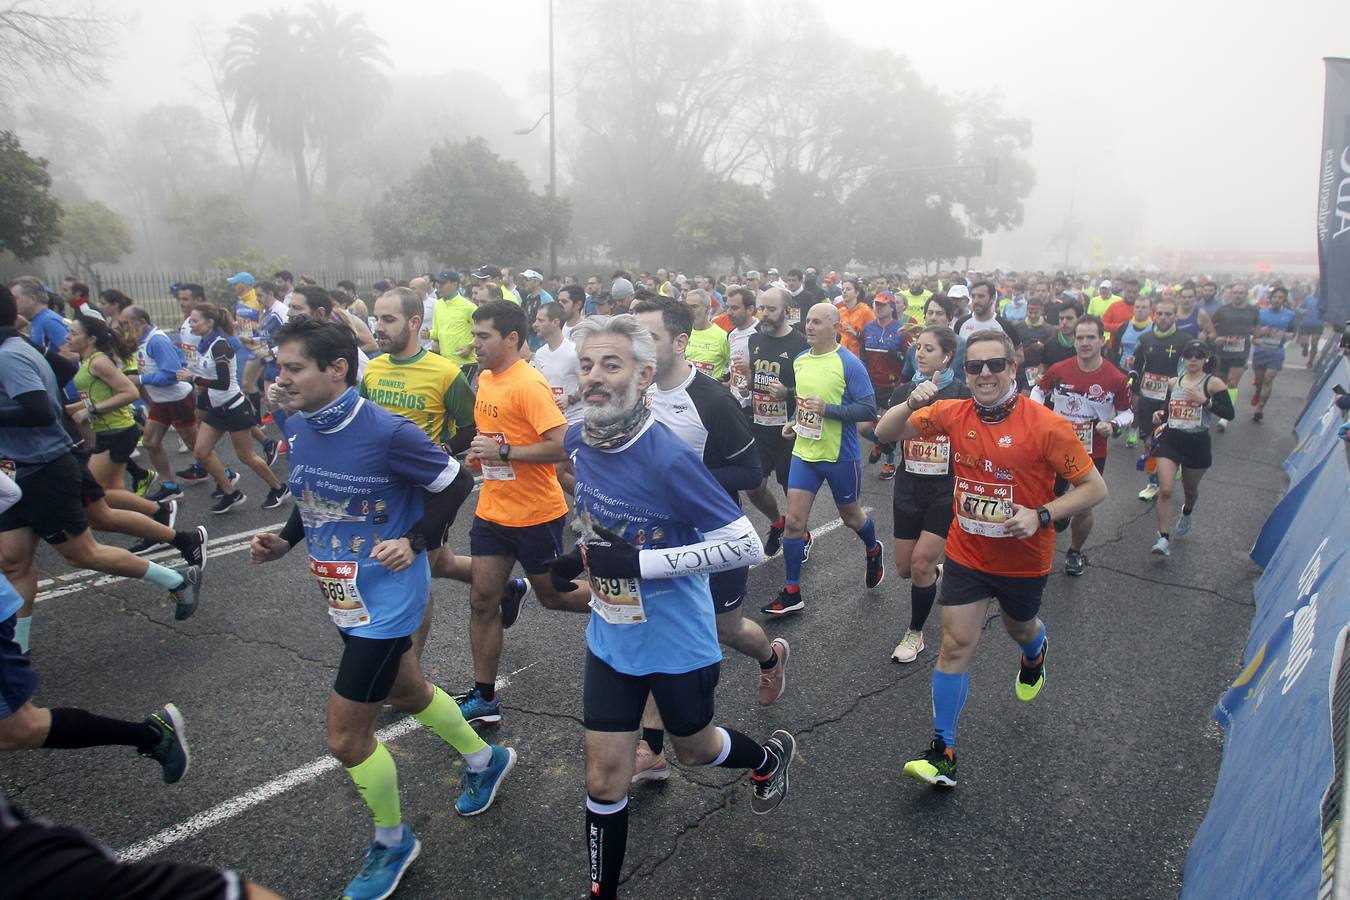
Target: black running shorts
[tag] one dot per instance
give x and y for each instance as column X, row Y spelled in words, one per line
column 613, row 701
column 1019, row 597
column 369, row 667
column 53, row 500
column 935, row 518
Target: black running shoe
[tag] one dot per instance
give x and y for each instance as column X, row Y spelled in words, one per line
column 186, row 595
column 785, row 604
column 515, row 592
column 876, row 566
column 167, row 513
column 1074, row 562
column 274, row 497
column 144, row 545
column 770, row 789
column 233, row 476
column 774, row 542
column 228, row 502
column 171, row 751
column 195, row 552
column 271, row 450
column 194, row 472
column 875, row 455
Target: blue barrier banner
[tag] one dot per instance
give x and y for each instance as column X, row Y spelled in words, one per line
column 1333, row 195
column 1302, row 507
column 1262, row 835
column 1321, row 436
column 1323, row 396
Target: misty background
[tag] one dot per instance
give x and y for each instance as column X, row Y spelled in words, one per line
column 693, row 133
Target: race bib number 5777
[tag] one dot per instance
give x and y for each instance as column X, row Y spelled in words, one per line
column 983, row 508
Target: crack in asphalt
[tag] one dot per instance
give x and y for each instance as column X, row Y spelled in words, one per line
column 327, row 664
column 1162, row 582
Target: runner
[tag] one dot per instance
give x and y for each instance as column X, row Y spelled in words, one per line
column 521, row 510
column 1234, row 324
column 225, row 410
column 373, row 493
column 1275, row 325
column 740, row 313
column 1063, row 346
column 940, row 311
column 854, row 314
column 248, row 313
column 1124, row 344
column 652, row 631
column 885, row 344
column 1194, row 400
column 922, row 503
column 170, row 401
column 916, row 297
column 1004, row 546
column 1157, row 357
column 1191, row 319
column 1310, row 325
column 1094, row 396
column 772, row 393
column 709, row 348
column 833, row 395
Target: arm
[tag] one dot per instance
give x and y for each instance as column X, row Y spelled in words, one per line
column 860, row 401
column 29, row 410
column 168, row 360
column 459, row 408
column 220, row 352
column 124, row 392
column 895, row 424
column 548, row 450
column 439, row 508
column 1087, row 492
column 862, row 410
column 1219, row 400
column 732, row 546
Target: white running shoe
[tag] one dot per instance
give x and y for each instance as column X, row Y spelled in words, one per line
column 1162, row 546
column 1223, row 425
column 1183, row 526
column 909, row 648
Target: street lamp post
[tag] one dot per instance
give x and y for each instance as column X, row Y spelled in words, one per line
column 552, row 155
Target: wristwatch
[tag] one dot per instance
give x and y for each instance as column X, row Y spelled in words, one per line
column 417, row 540
column 1044, row 515
column 504, row 451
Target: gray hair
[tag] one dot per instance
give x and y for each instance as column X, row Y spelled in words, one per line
column 139, row 314
column 703, row 297
column 644, row 348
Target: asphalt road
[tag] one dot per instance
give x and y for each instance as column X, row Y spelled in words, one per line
column 1093, row 790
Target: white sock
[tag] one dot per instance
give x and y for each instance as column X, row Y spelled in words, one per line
column 479, row 760
column 389, row 837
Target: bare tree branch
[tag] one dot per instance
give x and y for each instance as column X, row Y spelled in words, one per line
column 38, row 46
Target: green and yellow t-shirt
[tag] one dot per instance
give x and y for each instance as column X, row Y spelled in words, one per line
column 452, row 328
column 426, row 389
column 709, row 350
column 838, row 378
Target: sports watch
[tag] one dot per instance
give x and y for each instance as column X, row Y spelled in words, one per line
column 1044, row 515
column 504, row 451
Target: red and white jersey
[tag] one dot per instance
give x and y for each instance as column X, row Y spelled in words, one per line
column 1086, row 398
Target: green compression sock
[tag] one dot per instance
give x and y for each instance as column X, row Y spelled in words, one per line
column 376, row 779
column 442, row 716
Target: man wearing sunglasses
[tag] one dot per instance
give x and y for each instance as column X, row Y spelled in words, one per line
column 1005, row 455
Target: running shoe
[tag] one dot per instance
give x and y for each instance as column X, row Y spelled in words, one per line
column 806, row 546
column 168, row 490
column 187, row 594
column 1162, row 547
column 936, row 767
column 787, row 603
column 1257, row 416
column 648, row 766
column 194, row 472
column 887, row 472
column 1031, row 676
column 271, row 450
column 1149, row 492
column 478, row 711
column 171, row 750
column 283, row 449
column 195, row 554
column 144, row 545
column 1074, row 563
column 774, row 541
column 875, row 455
column 909, row 648
column 1183, row 526
column 384, row 868
column 772, row 682
column 233, row 477
column 1223, row 425
column 275, row 496
column 167, row 513
column 513, row 595
column 227, row 502
column 142, row 486
column 1132, row 439
column 770, row 789
column 480, row 788
column 876, row 566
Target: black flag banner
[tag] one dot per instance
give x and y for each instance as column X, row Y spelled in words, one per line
column 1333, row 198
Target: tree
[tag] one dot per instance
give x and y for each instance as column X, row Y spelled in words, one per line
column 465, row 205
column 727, row 219
column 29, row 215
column 91, row 235
column 38, row 45
column 215, row 225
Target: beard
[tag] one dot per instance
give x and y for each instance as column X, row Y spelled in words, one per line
column 618, row 405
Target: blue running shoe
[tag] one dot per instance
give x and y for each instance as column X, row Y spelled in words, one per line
column 168, row 490
column 480, row 788
column 384, row 868
column 233, row 476
column 478, row 711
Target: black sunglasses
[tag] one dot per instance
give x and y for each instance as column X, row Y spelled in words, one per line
column 1194, row 354
column 996, row 365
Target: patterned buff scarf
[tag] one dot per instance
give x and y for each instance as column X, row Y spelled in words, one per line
column 607, row 437
column 335, row 413
column 992, row 415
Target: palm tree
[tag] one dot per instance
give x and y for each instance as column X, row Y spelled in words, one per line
column 303, row 83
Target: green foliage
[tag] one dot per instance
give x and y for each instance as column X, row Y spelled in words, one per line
column 251, row 261
column 465, row 205
column 214, row 225
column 29, row 215
column 92, row 235
column 727, row 219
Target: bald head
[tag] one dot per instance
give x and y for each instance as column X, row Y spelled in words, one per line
column 822, row 327
column 827, row 312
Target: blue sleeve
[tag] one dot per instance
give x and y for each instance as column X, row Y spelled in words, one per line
column 167, row 357
column 51, row 331
column 413, row 455
column 859, row 403
column 702, row 501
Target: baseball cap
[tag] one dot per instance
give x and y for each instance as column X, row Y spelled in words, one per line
column 810, row 272
column 240, row 278
column 959, row 290
column 486, row 271
column 1106, row 283
column 531, row 275
column 773, row 271
column 753, row 273
column 884, row 297
column 621, row 289
column 447, row 275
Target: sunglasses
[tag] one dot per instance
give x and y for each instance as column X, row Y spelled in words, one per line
column 996, row 365
column 1194, row 354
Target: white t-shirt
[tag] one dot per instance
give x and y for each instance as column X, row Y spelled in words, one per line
column 739, row 338
column 428, row 311
column 972, row 325
column 563, row 371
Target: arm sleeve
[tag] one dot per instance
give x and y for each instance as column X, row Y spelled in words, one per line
column 293, row 532
column 30, row 410
column 732, row 546
column 168, row 359
column 1222, row 405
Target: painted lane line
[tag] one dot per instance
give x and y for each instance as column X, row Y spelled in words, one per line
column 102, row 580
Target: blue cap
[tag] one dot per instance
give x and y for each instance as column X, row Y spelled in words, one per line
column 447, row 275
column 241, row 278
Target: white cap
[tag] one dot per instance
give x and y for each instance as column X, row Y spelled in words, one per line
column 531, row 274
column 1106, row 283
column 959, row 290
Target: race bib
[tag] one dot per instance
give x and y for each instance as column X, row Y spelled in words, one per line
column 337, row 583
column 794, row 315
column 810, row 425
column 1033, row 375
column 190, row 354
column 1270, row 342
column 983, row 508
column 9, row 467
column 704, row 367
column 558, row 393
column 494, row 469
column 927, row 457
column 1154, row 387
column 1086, row 432
column 1184, row 415
column 617, row 600
column 768, row 411
column 1231, row 343
column 740, row 381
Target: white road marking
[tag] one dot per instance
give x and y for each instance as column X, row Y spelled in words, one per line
column 161, row 554
column 235, row 806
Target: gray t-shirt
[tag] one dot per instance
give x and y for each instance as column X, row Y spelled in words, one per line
column 22, row 371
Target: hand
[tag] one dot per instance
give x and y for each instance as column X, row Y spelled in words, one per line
column 79, row 413
column 814, row 405
column 1025, row 522
column 566, row 569
column 1158, row 417
column 849, row 329
column 276, row 395
column 789, row 431
column 923, row 394
column 267, row 548
column 1104, row 429
column 395, row 555
column 611, row 556
column 183, row 374
column 562, row 402
column 777, row 390
column 1193, row 394
column 483, row 447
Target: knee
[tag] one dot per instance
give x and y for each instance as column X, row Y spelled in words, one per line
column 956, row 646
column 550, row 599
column 605, row 778
column 794, row 524
column 349, row 749
column 690, row 755
column 153, row 441
column 1166, row 491
column 200, row 452
column 23, row 730
column 482, row 606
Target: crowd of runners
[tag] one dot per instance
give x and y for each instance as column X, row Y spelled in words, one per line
column 615, row 426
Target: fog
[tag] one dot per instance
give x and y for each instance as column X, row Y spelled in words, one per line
column 1160, row 126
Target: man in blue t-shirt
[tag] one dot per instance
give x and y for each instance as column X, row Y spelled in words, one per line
column 371, row 491
column 651, row 538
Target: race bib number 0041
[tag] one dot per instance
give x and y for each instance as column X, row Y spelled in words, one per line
column 337, row 583
column 983, row 508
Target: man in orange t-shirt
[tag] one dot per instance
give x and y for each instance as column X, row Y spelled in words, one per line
column 521, row 510
column 1005, row 453
column 1122, row 311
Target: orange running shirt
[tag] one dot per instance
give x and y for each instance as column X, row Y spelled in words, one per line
column 995, row 466
column 858, row 316
column 1116, row 315
column 517, row 406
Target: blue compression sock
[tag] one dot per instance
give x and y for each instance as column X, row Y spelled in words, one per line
column 793, row 553
column 949, row 698
column 868, row 534
column 1033, row 648
column 169, row 579
column 21, row 628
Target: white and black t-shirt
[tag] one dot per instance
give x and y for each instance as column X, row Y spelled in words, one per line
column 706, row 418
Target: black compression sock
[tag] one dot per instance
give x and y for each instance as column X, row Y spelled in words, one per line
column 655, row 738
column 920, row 604
column 745, row 753
column 606, row 840
column 75, row 728
column 1186, row 510
column 772, row 661
column 135, row 471
column 486, row 691
column 1165, row 535
column 182, row 540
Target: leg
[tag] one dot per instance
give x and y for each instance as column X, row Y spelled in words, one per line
column 744, row 635
column 1267, row 384
column 153, row 439
column 123, row 521
column 1167, row 479
column 485, row 618
column 904, row 553
column 109, row 475
column 1190, row 486
column 18, row 556
column 445, row 563
column 243, row 448
column 204, row 451
column 763, row 500
column 419, row 638
column 609, row 769
column 1080, row 529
